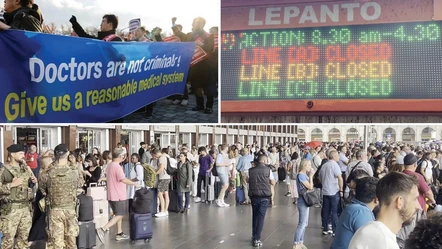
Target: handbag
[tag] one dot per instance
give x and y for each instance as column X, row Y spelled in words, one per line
column 311, row 197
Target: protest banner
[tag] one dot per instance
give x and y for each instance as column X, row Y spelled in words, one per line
column 61, row 79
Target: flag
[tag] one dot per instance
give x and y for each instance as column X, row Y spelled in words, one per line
column 172, row 38
column 134, row 24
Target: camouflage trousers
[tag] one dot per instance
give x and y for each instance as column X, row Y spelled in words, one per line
column 19, row 223
column 62, row 229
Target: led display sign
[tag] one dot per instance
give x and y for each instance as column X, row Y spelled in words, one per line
column 400, row 61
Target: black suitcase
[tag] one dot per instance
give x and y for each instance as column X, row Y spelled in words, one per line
column 281, row 174
column 86, row 238
column 154, row 201
column 140, row 227
column 173, row 201
column 86, row 208
column 142, row 203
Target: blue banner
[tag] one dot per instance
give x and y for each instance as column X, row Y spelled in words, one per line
column 60, row 79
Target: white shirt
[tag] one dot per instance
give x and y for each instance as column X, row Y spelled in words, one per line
column 135, row 172
column 427, row 165
column 271, row 177
column 374, row 235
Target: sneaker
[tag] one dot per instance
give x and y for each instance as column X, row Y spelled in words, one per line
column 333, row 234
column 258, row 243
column 225, row 204
column 197, row 199
column 324, row 232
column 288, row 194
column 219, row 203
column 159, row 215
column 166, row 214
column 184, row 102
column 176, row 102
column 100, row 234
column 330, row 232
column 121, row 236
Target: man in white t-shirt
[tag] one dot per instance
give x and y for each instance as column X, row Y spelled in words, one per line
column 398, row 202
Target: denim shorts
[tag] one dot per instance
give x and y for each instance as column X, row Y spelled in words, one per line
column 223, row 178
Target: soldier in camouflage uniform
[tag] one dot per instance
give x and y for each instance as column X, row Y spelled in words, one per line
column 60, row 183
column 16, row 196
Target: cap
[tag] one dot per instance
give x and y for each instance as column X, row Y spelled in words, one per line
column 61, row 148
column 410, row 159
column 400, row 160
column 16, row 148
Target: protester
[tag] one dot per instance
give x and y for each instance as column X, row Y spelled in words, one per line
column 23, row 15
column 200, row 75
column 108, row 27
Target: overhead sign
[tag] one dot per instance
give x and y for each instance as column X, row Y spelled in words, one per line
column 365, row 63
column 265, row 14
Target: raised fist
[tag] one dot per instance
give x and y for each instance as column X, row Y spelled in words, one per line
column 73, row 19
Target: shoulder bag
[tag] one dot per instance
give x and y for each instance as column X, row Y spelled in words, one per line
column 311, row 197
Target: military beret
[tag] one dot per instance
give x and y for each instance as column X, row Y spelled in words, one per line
column 16, row 148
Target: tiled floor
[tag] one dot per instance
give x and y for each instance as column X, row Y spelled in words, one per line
column 207, row 226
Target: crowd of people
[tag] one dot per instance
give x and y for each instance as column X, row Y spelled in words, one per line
column 202, row 77
column 379, row 197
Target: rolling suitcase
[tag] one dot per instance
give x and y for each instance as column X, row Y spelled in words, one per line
column 154, row 208
column 101, row 212
column 240, row 196
column 140, row 227
column 86, row 237
column 86, row 208
column 209, row 189
column 173, row 204
column 97, row 192
column 281, row 174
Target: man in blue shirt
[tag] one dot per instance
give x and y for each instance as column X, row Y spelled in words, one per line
column 357, row 214
column 243, row 166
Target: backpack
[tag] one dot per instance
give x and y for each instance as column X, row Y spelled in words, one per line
column 316, row 182
column 169, row 169
column 142, row 202
column 150, row 175
column 62, row 187
column 214, row 170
